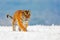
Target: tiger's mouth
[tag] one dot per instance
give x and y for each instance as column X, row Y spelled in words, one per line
column 26, row 19
column 27, row 16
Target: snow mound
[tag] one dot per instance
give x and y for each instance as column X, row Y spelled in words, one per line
column 37, row 32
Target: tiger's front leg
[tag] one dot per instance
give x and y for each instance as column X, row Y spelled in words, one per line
column 21, row 26
column 25, row 23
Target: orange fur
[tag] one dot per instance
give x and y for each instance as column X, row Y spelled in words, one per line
column 20, row 16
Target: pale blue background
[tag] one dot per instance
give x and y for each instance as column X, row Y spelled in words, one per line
column 45, row 12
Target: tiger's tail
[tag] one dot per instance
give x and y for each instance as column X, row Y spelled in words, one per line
column 8, row 16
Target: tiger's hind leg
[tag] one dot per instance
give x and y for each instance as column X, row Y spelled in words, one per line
column 19, row 29
column 13, row 25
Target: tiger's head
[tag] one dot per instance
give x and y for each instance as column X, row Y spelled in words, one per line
column 27, row 13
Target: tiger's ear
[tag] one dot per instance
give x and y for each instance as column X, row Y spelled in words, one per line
column 28, row 10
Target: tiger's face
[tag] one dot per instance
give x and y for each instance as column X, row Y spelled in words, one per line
column 27, row 14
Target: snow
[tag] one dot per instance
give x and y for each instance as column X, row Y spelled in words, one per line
column 35, row 32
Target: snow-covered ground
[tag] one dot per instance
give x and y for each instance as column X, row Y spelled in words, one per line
column 35, row 32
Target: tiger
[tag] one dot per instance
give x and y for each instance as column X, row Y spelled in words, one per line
column 21, row 17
